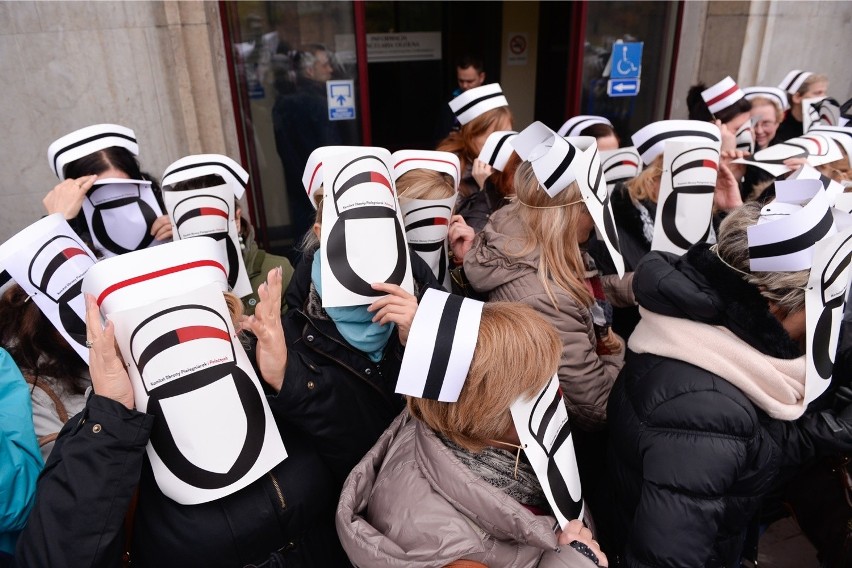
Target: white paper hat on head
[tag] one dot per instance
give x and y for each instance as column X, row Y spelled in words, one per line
column 142, row 277
column 473, row 102
column 440, row 346
column 444, row 162
column 312, row 178
column 794, row 80
column 784, row 237
column 87, row 141
column 842, row 135
column 774, row 94
column 498, row 149
column 620, row 165
column 550, row 155
column 199, row 165
column 48, row 260
column 575, row 126
column 650, row 140
column 723, row 94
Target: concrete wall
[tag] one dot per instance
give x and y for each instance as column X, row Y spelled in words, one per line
column 156, row 67
column 518, row 81
column 758, row 42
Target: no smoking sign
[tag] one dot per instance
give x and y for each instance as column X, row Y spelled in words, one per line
column 518, row 49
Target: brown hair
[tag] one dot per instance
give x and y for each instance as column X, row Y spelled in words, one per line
column 35, row 345
column 517, row 352
column 549, row 225
column 461, row 143
column 647, row 184
column 425, row 184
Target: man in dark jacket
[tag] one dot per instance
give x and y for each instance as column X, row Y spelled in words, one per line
column 707, row 415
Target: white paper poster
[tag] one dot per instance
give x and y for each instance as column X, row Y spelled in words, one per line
column 685, row 202
column 209, row 212
column 426, row 226
column 745, row 138
column 544, row 432
column 120, row 214
column 363, row 240
column 825, row 300
column 587, row 167
column 214, row 433
column 620, row 165
column 49, row 261
column 817, row 149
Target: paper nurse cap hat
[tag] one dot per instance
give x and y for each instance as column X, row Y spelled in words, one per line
column 87, row 141
column 474, row 102
column 199, row 165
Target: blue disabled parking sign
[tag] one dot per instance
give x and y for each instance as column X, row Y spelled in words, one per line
column 341, row 99
column 625, row 69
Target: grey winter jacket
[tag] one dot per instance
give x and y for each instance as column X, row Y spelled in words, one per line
column 411, row 503
column 585, row 376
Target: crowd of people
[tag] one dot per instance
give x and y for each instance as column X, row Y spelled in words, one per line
column 546, row 347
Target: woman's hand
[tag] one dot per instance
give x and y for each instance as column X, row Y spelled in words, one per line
column 726, row 195
column 480, row 172
column 109, row 375
column 161, row 229
column 67, row 196
column 795, row 163
column 460, row 237
column 729, row 139
column 576, row 531
column 397, row 307
column 265, row 324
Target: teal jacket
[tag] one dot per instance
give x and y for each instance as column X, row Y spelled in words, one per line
column 20, row 458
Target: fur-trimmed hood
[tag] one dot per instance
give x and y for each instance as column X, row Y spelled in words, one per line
column 698, row 286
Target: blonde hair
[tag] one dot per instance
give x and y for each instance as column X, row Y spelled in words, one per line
column 784, row 288
column 766, row 101
column 425, row 184
column 552, row 230
column 647, row 184
column 517, row 352
column 235, row 308
column 808, row 83
column 462, row 143
column 310, row 242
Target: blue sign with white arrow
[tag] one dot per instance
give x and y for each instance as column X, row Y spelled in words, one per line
column 622, row 87
column 341, row 99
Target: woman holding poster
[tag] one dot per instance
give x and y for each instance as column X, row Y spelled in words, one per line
column 709, row 414
column 446, row 485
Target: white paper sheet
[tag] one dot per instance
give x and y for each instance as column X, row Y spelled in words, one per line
column 209, row 212
column 120, row 214
column 685, row 202
column 542, row 425
column 426, row 226
column 817, row 149
column 48, row 260
column 824, row 305
column 215, row 433
column 363, row 235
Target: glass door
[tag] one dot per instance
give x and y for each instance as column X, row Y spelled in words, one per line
column 296, row 84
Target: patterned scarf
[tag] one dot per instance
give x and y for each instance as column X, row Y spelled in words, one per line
column 497, row 467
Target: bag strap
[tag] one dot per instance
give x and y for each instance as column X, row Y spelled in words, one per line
column 57, row 404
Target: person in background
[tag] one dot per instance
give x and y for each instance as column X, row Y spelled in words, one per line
column 597, row 127
column 470, row 73
column 20, row 460
column 799, row 85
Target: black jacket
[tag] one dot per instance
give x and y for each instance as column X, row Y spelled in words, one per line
column 99, row 460
column 336, row 395
column 690, row 456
